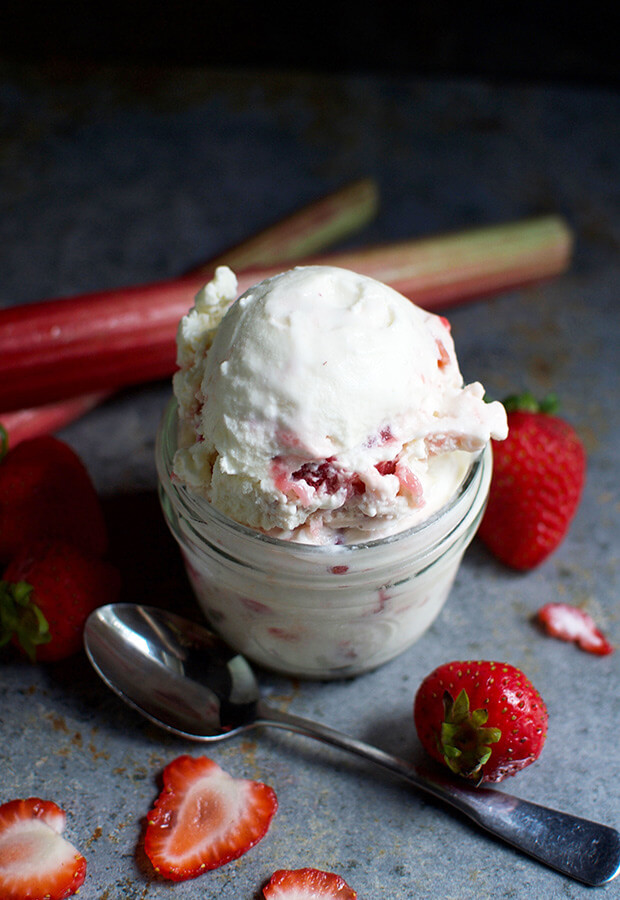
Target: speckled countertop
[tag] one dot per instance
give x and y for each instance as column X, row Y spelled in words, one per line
column 117, row 176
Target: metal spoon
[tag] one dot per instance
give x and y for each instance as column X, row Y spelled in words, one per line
column 185, row 679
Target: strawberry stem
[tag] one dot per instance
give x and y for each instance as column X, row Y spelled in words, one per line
column 59, row 348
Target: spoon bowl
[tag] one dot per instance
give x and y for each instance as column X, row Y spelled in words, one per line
column 177, row 673
column 182, row 677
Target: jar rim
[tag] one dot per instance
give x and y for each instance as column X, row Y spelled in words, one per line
column 166, row 446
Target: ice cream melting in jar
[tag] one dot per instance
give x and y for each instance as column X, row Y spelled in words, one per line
column 322, row 467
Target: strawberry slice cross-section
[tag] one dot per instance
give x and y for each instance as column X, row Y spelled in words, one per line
column 35, row 860
column 204, row 818
column 307, row 884
column 570, row 623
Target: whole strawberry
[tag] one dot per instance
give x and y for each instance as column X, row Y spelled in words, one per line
column 46, row 492
column 46, row 595
column 484, row 720
column 538, row 477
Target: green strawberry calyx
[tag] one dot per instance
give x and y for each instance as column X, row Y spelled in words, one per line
column 464, row 741
column 527, row 402
column 21, row 619
column 4, row 442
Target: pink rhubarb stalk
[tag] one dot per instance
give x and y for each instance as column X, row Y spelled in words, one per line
column 23, row 424
column 308, row 230
column 57, row 348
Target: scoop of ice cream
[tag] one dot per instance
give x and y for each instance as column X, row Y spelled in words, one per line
column 324, row 406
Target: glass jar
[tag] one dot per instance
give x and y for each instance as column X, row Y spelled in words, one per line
column 319, row 612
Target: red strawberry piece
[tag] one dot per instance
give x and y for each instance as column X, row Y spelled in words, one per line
column 484, row 720
column 46, row 492
column 307, row 884
column 386, row 467
column 205, row 818
column 569, row 623
column 443, row 355
column 46, row 595
column 316, row 477
column 35, row 860
column 326, row 478
column 319, row 475
column 537, row 482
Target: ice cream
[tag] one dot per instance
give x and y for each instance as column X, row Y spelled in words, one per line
column 322, row 467
column 323, row 407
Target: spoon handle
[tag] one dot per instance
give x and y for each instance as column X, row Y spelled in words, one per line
column 586, row 851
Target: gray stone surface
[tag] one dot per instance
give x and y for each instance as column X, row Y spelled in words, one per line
column 112, row 177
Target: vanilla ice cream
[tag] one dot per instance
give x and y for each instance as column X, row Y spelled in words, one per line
column 323, row 407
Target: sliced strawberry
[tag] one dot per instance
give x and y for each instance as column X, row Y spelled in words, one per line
column 204, row 818
column 307, row 884
column 569, row 623
column 35, row 861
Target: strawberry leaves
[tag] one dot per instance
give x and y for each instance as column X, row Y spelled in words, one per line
column 464, row 741
column 22, row 619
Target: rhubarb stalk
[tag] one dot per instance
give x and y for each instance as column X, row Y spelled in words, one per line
column 308, row 230
column 55, row 349
column 23, row 424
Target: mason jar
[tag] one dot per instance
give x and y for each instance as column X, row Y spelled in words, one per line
column 318, row 612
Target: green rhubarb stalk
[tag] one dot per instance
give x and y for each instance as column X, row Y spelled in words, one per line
column 113, row 339
column 303, row 233
column 452, row 268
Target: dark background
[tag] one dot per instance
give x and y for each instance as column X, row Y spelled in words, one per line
column 532, row 42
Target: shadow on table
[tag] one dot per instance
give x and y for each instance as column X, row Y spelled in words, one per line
column 146, row 554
